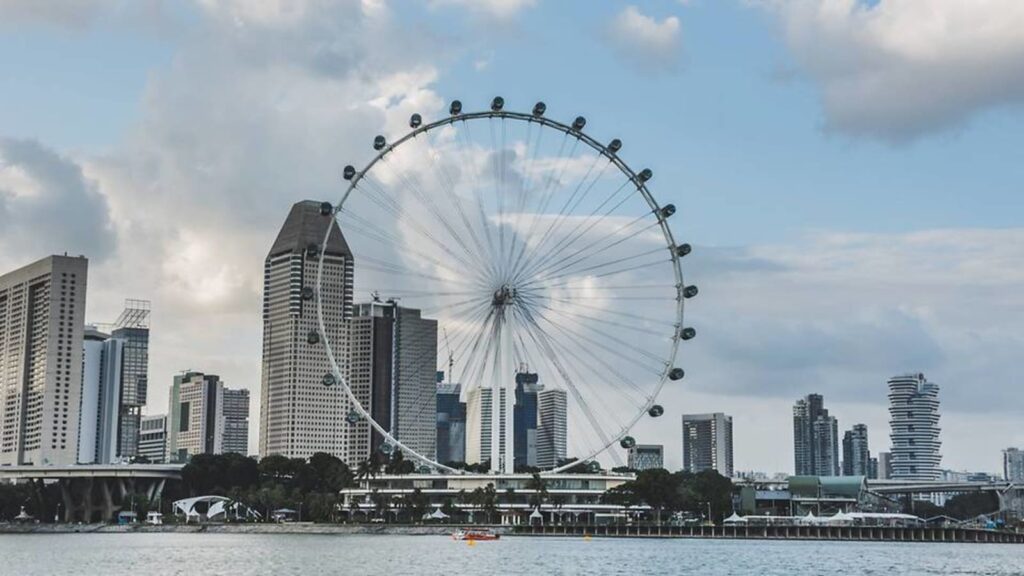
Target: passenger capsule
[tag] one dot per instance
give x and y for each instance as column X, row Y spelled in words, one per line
column 307, row 293
column 539, row 109
column 456, row 108
column 615, row 145
column 379, row 142
column 690, row 291
column 593, row 466
column 349, row 172
column 326, row 209
column 627, row 442
column 655, row 411
column 497, row 104
column 387, row 448
column 353, row 417
column 313, row 337
column 667, row 210
column 676, row 374
column 579, row 123
column 312, row 250
column 328, row 380
column 415, row 121
column 683, row 250
column 687, row 333
column 645, row 175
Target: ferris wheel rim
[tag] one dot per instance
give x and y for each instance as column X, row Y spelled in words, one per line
column 581, row 136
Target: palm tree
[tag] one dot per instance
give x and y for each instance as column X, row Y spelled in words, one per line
column 540, row 490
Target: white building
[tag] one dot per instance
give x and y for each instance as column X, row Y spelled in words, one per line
column 707, row 443
column 479, row 415
column 646, row 457
column 914, row 420
column 205, row 417
column 153, row 438
column 299, row 415
column 1013, row 465
column 552, row 427
column 42, row 318
column 100, row 403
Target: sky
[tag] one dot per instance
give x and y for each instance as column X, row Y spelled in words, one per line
column 849, row 173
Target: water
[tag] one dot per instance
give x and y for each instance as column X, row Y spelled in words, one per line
column 250, row 554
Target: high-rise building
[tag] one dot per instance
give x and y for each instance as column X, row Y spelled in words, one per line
column 707, row 443
column 524, row 419
column 132, row 327
column 99, row 407
column 236, row 421
column 815, row 438
column 552, row 427
column 451, row 422
column 873, row 468
column 299, row 416
column 884, row 466
column 42, row 319
column 646, row 457
column 478, row 425
column 856, row 457
column 1013, row 465
column 392, row 372
column 205, row 417
column 914, row 420
column 153, row 438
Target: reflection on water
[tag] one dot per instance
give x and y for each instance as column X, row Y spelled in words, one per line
column 249, row 554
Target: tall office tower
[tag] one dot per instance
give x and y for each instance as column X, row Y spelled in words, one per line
column 153, row 438
column 236, row 421
column 873, row 468
column 205, row 417
column 451, row 422
column 914, row 420
column 393, row 374
column 42, row 318
column 552, row 427
column 815, row 438
column 478, row 425
column 99, row 408
column 524, row 419
column 707, row 443
column 646, row 457
column 1013, row 465
column 132, row 327
column 299, row 416
column 884, row 466
column 856, row 457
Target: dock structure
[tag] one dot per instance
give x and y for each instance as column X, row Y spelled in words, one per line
column 785, row 532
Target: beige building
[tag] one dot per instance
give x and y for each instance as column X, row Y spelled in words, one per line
column 299, row 415
column 42, row 318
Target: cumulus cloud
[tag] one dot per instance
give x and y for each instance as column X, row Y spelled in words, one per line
column 47, row 206
column 645, row 41
column 899, row 69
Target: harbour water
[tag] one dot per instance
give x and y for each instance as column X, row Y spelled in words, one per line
column 307, row 555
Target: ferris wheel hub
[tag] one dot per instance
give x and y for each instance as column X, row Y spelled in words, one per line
column 504, row 296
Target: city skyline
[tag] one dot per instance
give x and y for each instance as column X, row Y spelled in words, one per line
column 174, row 203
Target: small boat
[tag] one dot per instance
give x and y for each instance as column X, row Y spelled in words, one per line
column 474, row 535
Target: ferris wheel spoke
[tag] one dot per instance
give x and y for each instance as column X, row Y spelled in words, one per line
column 465, row 139
column 606, row 311
column 588, row 252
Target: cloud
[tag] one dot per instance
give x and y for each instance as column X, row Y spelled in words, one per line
column 70, row 13
column 644, row 41
column 899, row 69
column 47, row 206
column 501, row 9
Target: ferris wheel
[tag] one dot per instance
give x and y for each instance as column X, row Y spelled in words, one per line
column 537, row 250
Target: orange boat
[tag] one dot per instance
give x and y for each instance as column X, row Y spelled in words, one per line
column 475, row 535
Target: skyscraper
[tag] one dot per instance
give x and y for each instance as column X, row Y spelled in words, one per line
column 299, row 416
column 707, row 443
column 1013, row 465
column 42, row 319
column 153, row 438
column 99, row 407
column 524, row 419
column 552, row 427
column 393, row 375
column 478, row 425
column 132, row 328
column 914, row 420
column 884, row 465
column 451, row 422
column 646, row 457
column 815, row 438
column 856, row 457
column 206, row 417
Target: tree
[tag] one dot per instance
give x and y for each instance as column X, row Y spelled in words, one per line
column 331, row 474
column 418, row 504
column 381, row 503
column 540, row 490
